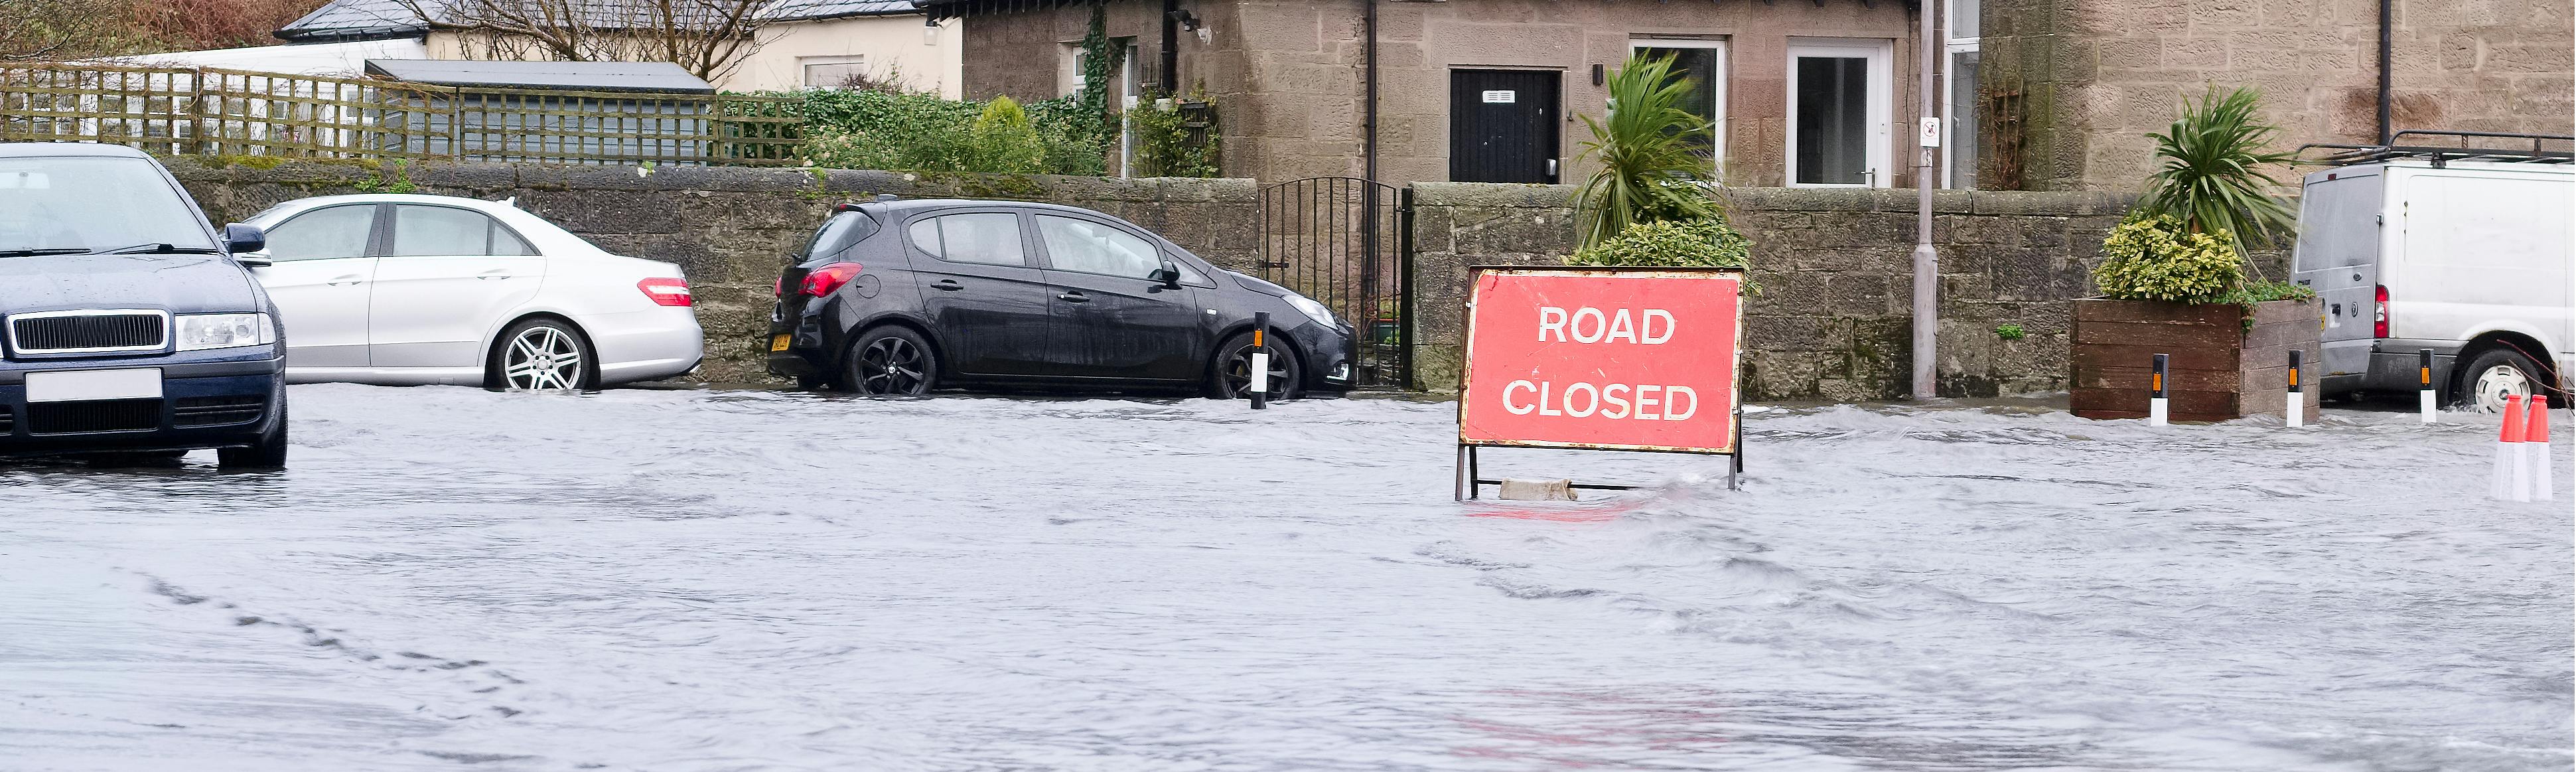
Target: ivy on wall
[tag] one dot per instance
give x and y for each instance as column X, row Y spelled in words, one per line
column 1175, row 138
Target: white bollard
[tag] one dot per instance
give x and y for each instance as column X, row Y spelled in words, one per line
column 2424, row 390
column 1261, row 371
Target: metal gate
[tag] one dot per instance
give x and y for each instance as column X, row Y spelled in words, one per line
column 1346, row 242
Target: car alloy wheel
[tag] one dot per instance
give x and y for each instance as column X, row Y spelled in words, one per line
column 1234, row 371
column 893, row 365
column 542, row 357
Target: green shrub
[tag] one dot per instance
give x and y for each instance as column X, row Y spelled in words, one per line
column 1004, row 143
column 2155, row 258
column 2010, row 332
column 905, row 131
column 1670, row 243
column 1163, row 147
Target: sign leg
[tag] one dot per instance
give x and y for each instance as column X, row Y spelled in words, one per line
column 1472, row 477
column 1458, row 476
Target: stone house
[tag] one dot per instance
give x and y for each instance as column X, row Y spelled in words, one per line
column 804, row 44
column 1802, row 92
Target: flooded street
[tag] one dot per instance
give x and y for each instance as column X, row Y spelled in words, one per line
column 448, row 579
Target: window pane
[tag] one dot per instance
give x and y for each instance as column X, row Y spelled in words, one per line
column 1090, row 247
column 430, row 231
column 1699, row 67
column 506, row 243
column 1833, row 120
column 990, row 238
column 925, row 236
column 1963, row 19
column 1963, row 145
column 339, row 231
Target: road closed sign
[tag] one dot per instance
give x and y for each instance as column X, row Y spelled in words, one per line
column 1608, row 359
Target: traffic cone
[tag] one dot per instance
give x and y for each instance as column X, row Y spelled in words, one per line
column 2535, row 451
column 2506, row 483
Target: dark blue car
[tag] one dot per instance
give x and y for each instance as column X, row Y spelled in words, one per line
column 127, row 324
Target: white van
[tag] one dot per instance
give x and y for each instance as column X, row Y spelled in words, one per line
column 2469, row 258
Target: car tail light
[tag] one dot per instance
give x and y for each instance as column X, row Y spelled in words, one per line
column 2379, row 317
column 822, row 281
column 666, row 292
column 778, row 287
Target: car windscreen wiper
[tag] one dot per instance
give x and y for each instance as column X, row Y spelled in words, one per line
column 49, row 251
column 156, row 248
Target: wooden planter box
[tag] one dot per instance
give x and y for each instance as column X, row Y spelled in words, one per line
column 2217, row 368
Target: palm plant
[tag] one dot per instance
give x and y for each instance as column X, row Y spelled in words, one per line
column 1650, row 154
column 2210, row 172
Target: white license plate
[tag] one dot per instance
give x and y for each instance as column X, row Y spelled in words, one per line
column 80, row 385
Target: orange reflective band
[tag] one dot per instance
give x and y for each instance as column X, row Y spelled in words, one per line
column 2427, row 374
column 1256, row 338
column 2158, row 383
column 2294, row 376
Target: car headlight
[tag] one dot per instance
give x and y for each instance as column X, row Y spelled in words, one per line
column 205, row 331
column 1313, row 310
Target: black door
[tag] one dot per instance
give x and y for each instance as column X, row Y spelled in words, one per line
column 1502, row 125
column 984, row 292
column 1111, row 320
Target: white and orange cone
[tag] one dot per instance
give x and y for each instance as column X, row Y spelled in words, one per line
column 2508, row 482
column 2535, row 451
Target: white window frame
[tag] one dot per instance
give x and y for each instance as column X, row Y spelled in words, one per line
column 1951, row 49
column 1717, row 100
column 804, row 65
column 1882, row 97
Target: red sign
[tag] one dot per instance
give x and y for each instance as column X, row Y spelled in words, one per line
column 1611, row 359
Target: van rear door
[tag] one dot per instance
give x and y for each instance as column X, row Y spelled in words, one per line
column 2338, row 256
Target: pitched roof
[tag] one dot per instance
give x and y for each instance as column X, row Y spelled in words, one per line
column 579, row 76
column 370, row 19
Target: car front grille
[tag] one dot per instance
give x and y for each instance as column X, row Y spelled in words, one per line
column 88, row 331
column 111, row 415
column 216, row 411
column 8, row 420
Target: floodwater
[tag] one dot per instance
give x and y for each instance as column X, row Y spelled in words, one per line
column 451, row 579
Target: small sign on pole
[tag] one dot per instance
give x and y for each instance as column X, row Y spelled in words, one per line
column 1602, row 358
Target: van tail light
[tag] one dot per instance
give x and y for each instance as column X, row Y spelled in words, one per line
column 666, row 291
column 822, row 281
column 2379, row 317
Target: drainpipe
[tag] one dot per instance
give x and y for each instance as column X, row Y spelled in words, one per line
column 1368, row 114
column 1927, row 262
column 1172, row 48
column 2385, row 76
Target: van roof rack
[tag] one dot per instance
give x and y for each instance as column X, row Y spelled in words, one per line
column 2443, row 155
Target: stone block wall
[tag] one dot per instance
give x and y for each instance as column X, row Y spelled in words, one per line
column 1833, row 320
column 731, row 229
column 2089, row 78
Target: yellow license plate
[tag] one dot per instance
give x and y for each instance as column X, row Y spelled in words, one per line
column 778, row 343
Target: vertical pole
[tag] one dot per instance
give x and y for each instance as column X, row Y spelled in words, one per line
column 2387, row 79
column 1927, row 262
column 1472, row 476
column 2424, row 389
column 2156, row 394
column 1458, row 476
column 2298, row 414
column 1368, row 105
column 1260, row 386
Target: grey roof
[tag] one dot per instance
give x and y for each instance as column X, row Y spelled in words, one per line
column 577, row 76
column 368, row 19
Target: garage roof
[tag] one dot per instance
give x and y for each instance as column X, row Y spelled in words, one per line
column 663, row 77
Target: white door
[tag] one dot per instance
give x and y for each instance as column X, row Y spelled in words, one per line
column 448, row 276
column 320, row 281
column 1839, row 98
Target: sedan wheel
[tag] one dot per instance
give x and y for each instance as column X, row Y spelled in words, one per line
column 543, row 355
column 891, row 361
column 1233, row 376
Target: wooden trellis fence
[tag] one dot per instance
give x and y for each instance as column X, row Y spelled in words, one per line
column 205, row 111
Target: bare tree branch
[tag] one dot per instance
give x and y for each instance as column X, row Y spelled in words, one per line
column 709, row 38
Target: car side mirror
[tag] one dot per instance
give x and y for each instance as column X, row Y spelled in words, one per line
column 239, row 238
column 1169, row 275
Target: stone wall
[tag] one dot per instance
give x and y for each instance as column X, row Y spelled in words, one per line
column 1836, row 267
column 731, row 228
column 2089, row 78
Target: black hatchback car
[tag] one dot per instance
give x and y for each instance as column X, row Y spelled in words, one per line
column 126, row 323
column 902, row 297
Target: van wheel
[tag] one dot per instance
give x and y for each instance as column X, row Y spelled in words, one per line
column 2495, row 374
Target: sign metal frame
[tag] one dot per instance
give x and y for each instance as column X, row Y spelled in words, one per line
column 1468, row 481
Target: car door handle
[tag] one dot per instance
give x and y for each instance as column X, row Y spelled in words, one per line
column 1074, row 297
column 496, row 273
column 950, row 285
column 349, row 279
